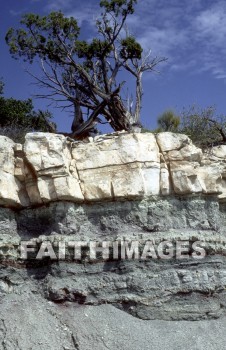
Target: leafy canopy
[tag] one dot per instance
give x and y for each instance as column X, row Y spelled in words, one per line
column 21, row 114
column 46, row 36
column 122, row 7
column 55, row 37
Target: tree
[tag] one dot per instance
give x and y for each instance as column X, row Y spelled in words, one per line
column 21, row 113
column 168, row 121
column 1, row 87
column 203, row 126
column 18, row 117
column 83, row 73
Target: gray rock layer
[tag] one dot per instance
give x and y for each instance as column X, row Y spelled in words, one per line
column 153, row 288
column 131, row 188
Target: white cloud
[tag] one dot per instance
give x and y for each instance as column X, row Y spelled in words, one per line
column 16, row 13
column 211, row 26
column 191, row 33
column 85, row 15
column 210, row 36
column 162, row 41
column 57, row 5
column 83, row 11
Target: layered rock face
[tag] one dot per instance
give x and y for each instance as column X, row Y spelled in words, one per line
column 49, row 167
column 115, row 188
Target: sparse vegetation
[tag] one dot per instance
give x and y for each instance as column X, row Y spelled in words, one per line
column 168, row 121
column 203, row 126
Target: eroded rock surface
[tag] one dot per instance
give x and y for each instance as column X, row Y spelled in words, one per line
column 114, row 188
column 154, row 288
column 49, row 167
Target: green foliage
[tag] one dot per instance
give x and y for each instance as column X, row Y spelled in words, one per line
column 21, row 113
column 48, row 37
column 17, row 117
column 52, row 37
column 168, row 121
column 96, row 49
column 203, row 126
column 86, row 73
column 1, row 87
column 14, row 111
column 130, row 48
column 118, row 7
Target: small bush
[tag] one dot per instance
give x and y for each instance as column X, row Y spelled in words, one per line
column 203, row 126
column 15, row 133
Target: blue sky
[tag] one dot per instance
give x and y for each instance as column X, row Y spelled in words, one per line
column 191, row 34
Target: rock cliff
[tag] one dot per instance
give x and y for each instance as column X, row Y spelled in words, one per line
column 49, row 168
column 122, row 188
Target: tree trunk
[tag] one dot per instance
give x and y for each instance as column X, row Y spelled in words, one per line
column 121, row 119
column 115, row 113
column 139, row 93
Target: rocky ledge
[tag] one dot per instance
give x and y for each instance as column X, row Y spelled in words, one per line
column 122, row 188
column 49, row 167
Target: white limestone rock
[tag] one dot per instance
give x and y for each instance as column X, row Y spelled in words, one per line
column 185, row 177
column 68, row 188
column 169, row 141
column 218, row 152
column 118, row 182
column 123, row 149
column 48, row 153
column 151, row 179
column 189, row 153
column 108, row 167
column 124, row 166
column 50, row 157
column 9, row 185
column 19, row 170
column 7, row 155
column 211, row 179
column 165, row 183
column 213, row 170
